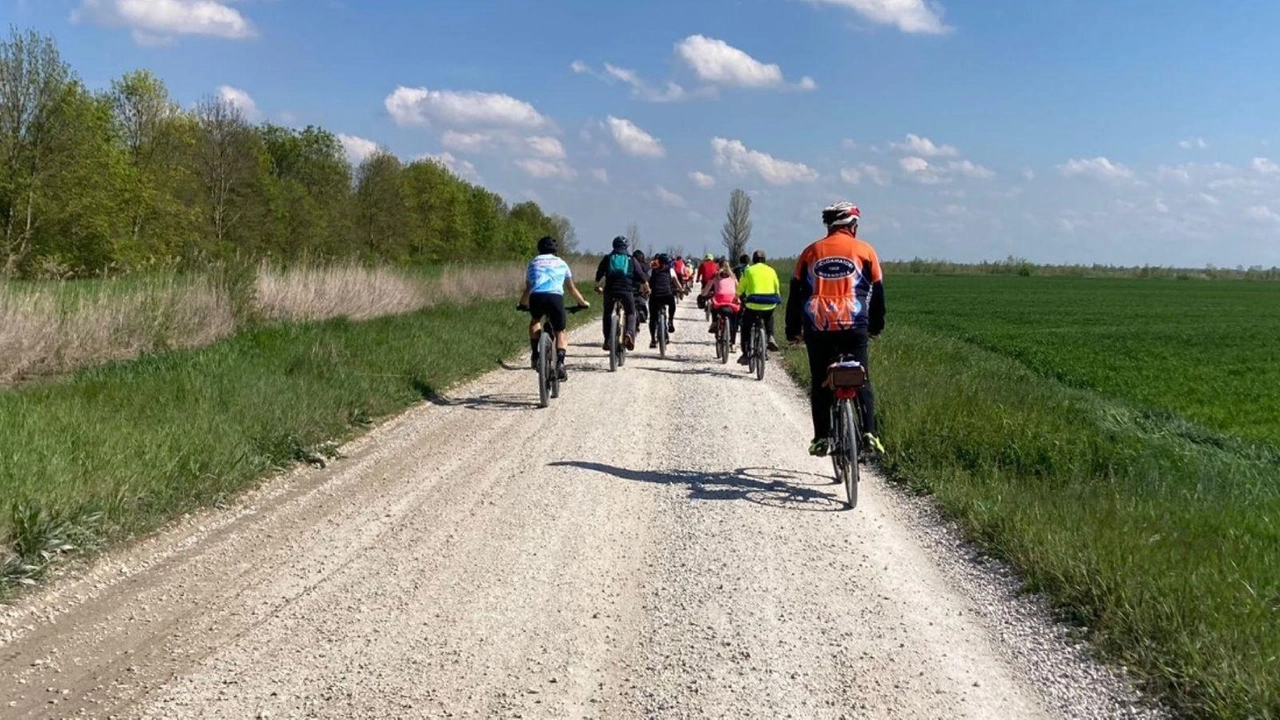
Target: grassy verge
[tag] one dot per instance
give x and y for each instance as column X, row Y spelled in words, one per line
column 1163, row 538
column 116, row 451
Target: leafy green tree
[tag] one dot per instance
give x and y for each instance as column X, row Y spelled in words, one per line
column 157, row 141
column 127, row 180
column 34, row 83
column 381, row 210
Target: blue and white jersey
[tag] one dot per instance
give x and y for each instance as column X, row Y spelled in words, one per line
column 547, row 274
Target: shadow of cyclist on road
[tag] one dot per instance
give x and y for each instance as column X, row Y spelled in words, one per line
column 768, row 487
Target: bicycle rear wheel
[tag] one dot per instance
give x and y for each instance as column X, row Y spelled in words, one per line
column 613, row 343
column 760, row 351
column 832, row 445
column 553, row 368
column 545, row 371
column 849, row 452
column 722, row 341
column 662, row 333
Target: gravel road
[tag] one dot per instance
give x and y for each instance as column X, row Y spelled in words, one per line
column 656, row 544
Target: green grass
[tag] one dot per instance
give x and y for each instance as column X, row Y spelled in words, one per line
column 118, row 450
column 1208, row 351
column 1160, row 534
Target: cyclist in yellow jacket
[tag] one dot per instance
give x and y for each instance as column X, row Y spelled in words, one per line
column 761, row 294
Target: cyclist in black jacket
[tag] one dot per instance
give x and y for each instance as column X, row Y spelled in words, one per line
column 664, row 285
column 618, row 277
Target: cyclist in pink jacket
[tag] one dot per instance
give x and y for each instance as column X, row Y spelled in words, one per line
column 722, row 295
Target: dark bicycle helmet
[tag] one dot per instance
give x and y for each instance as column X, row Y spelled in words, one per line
column 620, row 243
column 663, row 259
column 548, row 246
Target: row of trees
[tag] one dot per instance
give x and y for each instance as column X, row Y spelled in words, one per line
column 126, row 180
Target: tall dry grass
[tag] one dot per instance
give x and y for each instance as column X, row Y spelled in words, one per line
column 55, row 328
column 351, row 291
column 359, row 293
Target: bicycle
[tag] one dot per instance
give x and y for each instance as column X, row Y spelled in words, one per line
column 544, row 362
column 757, row 350
column 617, row 348
column 723, row 337
column 846, row 378
column 662, row 333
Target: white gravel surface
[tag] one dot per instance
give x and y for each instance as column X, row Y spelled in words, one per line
column 656, row 544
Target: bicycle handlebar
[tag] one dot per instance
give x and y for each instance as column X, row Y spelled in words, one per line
column 574, row 309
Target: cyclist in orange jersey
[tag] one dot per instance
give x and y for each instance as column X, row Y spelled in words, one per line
column 835, row 307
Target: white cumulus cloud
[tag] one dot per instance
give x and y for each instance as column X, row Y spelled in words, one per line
column 633, row 140
column 702, row 179
column 666, row 197
column 919, row 169
column 544, row 169
column 467, row 108
column 358, row 149
column 875, row 174
column 719, row 63
column 853, row 176
column 467, row 142
column 1264, row 166
column 970, row 170
column 670, row 92
column 600, row 175
column 737, row 158
column 159, row 21
column 241, row 100
column 545, row 147
column 1261, row 212
column 924, row 147
column 457, row 166
column 1193, row 144
column 909, row 16
column 1099, row 168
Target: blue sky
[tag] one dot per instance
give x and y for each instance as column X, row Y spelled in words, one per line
column 1136, row 132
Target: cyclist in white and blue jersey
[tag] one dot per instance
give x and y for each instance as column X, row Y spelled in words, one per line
column 545, row 281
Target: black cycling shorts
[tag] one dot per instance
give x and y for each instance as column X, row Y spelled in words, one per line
column 550, row 306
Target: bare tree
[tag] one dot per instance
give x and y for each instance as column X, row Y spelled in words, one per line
column 737, row 224
column 633, row 235
column 33, row 84
column 224, row 159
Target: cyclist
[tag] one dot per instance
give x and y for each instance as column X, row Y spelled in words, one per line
column 663, row 288
column 761, row 293
column 835, row 307
column 744, row 260
column 722, row 295
column 642, row 306
column 545, row 281
column 707, row 271
column 618, row 277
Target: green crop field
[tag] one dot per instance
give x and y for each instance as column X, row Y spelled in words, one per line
column 1117, row 440
column 1208, row 351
